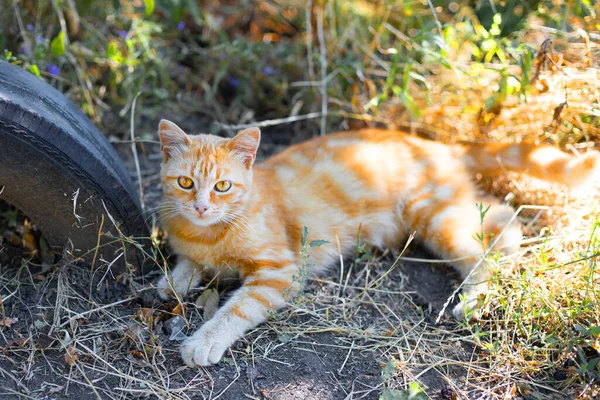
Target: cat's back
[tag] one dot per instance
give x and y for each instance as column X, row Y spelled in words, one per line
column 342, row 147
column 370, row 155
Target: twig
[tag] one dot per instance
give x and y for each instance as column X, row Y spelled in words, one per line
column 337, row 239
column 75, row 197
column 88, row 381
column 134, row 150
column 19, row 19
column 346, row 359
column 11, row 376
column 435, row 16
column 309, row 40
column 271, row 122
column 98, row 242
column 323, row 53
column 83, row 314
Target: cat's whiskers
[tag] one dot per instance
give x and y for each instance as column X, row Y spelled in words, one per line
column 231, row 223
column 242, row 219
column 239, row 222
column 151, row 212
column 166, row 210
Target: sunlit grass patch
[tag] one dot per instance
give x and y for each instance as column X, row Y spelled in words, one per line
column 541, row 322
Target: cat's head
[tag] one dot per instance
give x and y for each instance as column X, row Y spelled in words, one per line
column 206, row 178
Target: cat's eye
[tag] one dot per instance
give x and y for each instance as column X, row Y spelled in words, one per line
column 223, row 186
column 185, row 182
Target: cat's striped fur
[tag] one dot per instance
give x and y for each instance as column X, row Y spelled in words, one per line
column 387, row 182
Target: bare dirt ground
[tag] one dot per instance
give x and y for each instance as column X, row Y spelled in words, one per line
column 78, row 334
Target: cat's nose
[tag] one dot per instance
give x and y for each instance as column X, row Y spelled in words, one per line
column 201, row 209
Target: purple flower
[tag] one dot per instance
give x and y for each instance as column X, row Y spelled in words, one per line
column 180, row 25
column 233, row 82
column 268, row 70
column 24, row 50
column 30, row 27
column 53, row 69
column 123, row 34
column 223, row 55
column 41, row 39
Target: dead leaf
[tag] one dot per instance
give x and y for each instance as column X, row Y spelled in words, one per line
column 137, row 353
column 16, row 343
column 44, row 341
column 70, row 355
column 178, row 309
column 46, row 254
column 146, row 315
column 209, row 300
column 29, row 239
column 8, row 322
column 14, row 239
column 56, row 389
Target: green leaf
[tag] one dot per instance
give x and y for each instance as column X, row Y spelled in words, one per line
column 11, row 216
column 193, row 8
column 284, row 338
column 438, row 56
column 391, row 394
column 304, row 235
column 35, row 70
column 149, row 7
column 406, row 76
column 112, row 50
column 318, row 243
column 388, row 370
column 58, row 44
column 594, row 330
column 415, row 390
column 408, row 102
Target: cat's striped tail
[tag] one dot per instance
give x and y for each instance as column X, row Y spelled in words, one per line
column 544, row 162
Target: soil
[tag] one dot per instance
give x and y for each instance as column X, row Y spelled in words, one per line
column 77, row 334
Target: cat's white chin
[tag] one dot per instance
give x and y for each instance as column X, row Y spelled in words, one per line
column 205, row 220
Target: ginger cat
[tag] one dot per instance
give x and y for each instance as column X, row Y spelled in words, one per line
column 224, row 213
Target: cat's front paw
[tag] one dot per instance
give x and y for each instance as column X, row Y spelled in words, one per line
column 207, row 346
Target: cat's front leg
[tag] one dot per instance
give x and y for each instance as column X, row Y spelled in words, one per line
column 185, row 276
column 265, row 290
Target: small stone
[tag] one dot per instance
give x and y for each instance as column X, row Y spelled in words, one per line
column 176, row 326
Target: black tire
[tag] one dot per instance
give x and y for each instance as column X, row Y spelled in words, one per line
column 49, row 150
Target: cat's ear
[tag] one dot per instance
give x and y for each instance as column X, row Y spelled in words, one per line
column 172, row 138
column 245, row 144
